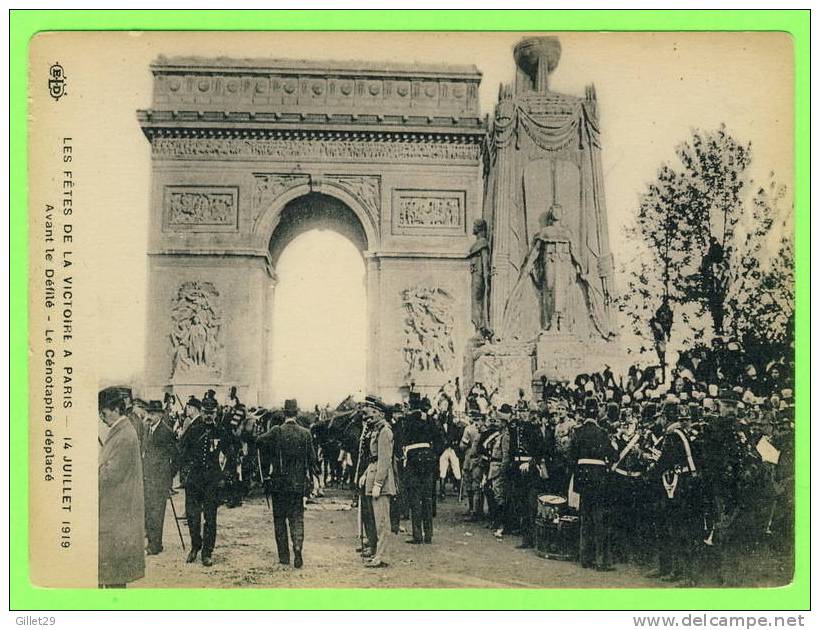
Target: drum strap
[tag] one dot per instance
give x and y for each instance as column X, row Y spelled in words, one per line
column 688, row 448
column 588, row 461
column 629, row 446
column 670, row 485
column 417, row 445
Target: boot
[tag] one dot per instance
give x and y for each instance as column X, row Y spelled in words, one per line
column 297, row 559
column 192, row 555
column 441, row 494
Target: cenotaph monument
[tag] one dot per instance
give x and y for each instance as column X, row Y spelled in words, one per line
column 547, row 287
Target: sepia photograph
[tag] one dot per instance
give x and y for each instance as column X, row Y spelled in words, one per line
column 485, row 310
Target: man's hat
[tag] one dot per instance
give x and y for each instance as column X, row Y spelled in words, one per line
column 209, row 404
column 193, row 401
column 504, row 412
column 291, row 407
column 591, row 406
column 239, row 413
column 650, row 410
column 374, row 402
column 414, row 400
column 613, row 412
column 110, row 397
column 155, row 406
column 139, row 402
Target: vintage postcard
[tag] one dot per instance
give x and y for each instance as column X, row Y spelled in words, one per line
column 428, row 310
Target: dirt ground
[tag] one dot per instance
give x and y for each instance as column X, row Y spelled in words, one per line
column 462, row 555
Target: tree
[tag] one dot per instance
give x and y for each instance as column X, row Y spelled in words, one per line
column 656, row 285
column 708, row 249
column 760, row 301
column 714, row 172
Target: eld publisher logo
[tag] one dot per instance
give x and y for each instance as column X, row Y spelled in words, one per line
column 56, row 81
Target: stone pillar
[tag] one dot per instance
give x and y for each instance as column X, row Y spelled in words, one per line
column 267, row 385
column 373, row 288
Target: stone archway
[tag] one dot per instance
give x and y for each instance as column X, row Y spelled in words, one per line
column 234, row 143
column 298, row 216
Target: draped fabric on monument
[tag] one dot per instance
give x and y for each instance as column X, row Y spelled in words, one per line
column 544, row 149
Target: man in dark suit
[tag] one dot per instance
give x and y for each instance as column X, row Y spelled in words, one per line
column 293, row 461
column 593, row 453
column 159, row 465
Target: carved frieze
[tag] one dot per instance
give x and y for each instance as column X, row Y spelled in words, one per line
column 201, row 208
column 429, row 212
column 288, row 150
column 269, row 85
column 268, row 186
column 196, row 324
column 428, row 331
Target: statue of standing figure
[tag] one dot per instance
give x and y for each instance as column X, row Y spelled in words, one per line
column 553, row 272
column 479, row 257
column 552, row 293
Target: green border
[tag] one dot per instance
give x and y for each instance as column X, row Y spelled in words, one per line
column 24, row 24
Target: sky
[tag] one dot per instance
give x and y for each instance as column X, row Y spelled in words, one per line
column 652, row 88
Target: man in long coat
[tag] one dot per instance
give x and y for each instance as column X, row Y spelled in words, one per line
column 121, row 515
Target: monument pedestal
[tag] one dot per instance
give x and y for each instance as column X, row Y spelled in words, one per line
column 506, row 367
column 560, row 357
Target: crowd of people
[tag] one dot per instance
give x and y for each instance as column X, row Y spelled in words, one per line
column 688, row 471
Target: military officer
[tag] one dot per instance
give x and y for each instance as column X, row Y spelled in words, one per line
column 473, row 470
column 380, row 481
column 293, row 462
column 592, row 453
column 681, row 510
column 527, row 474
column 234, row 421
column 202, row 459
column 498, row 447
column 369, row 539
column 420, row 437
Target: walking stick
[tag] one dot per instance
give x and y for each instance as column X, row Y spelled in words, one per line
column 176, row 520
column 361, row 528
column 461, row 487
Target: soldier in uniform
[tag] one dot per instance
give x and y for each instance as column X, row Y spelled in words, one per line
column 293, row 462
column 681, row 511
column 420, row 437
column 498, row 447
column 473, row 470
column 380, row 480
column 234, row 421
column 368, row 520
column 592, row 453
column 159, row 465
column 527, row 474
column 201, row 455
column 450, row 433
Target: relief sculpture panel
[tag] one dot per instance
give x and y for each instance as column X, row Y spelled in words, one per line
column 428, row 330
column 429, row 212
column 196, row 324
column 201, row 208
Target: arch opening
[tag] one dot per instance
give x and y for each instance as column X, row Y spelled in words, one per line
column 319, row 312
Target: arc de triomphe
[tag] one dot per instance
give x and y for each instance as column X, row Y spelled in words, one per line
column 246, row 154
